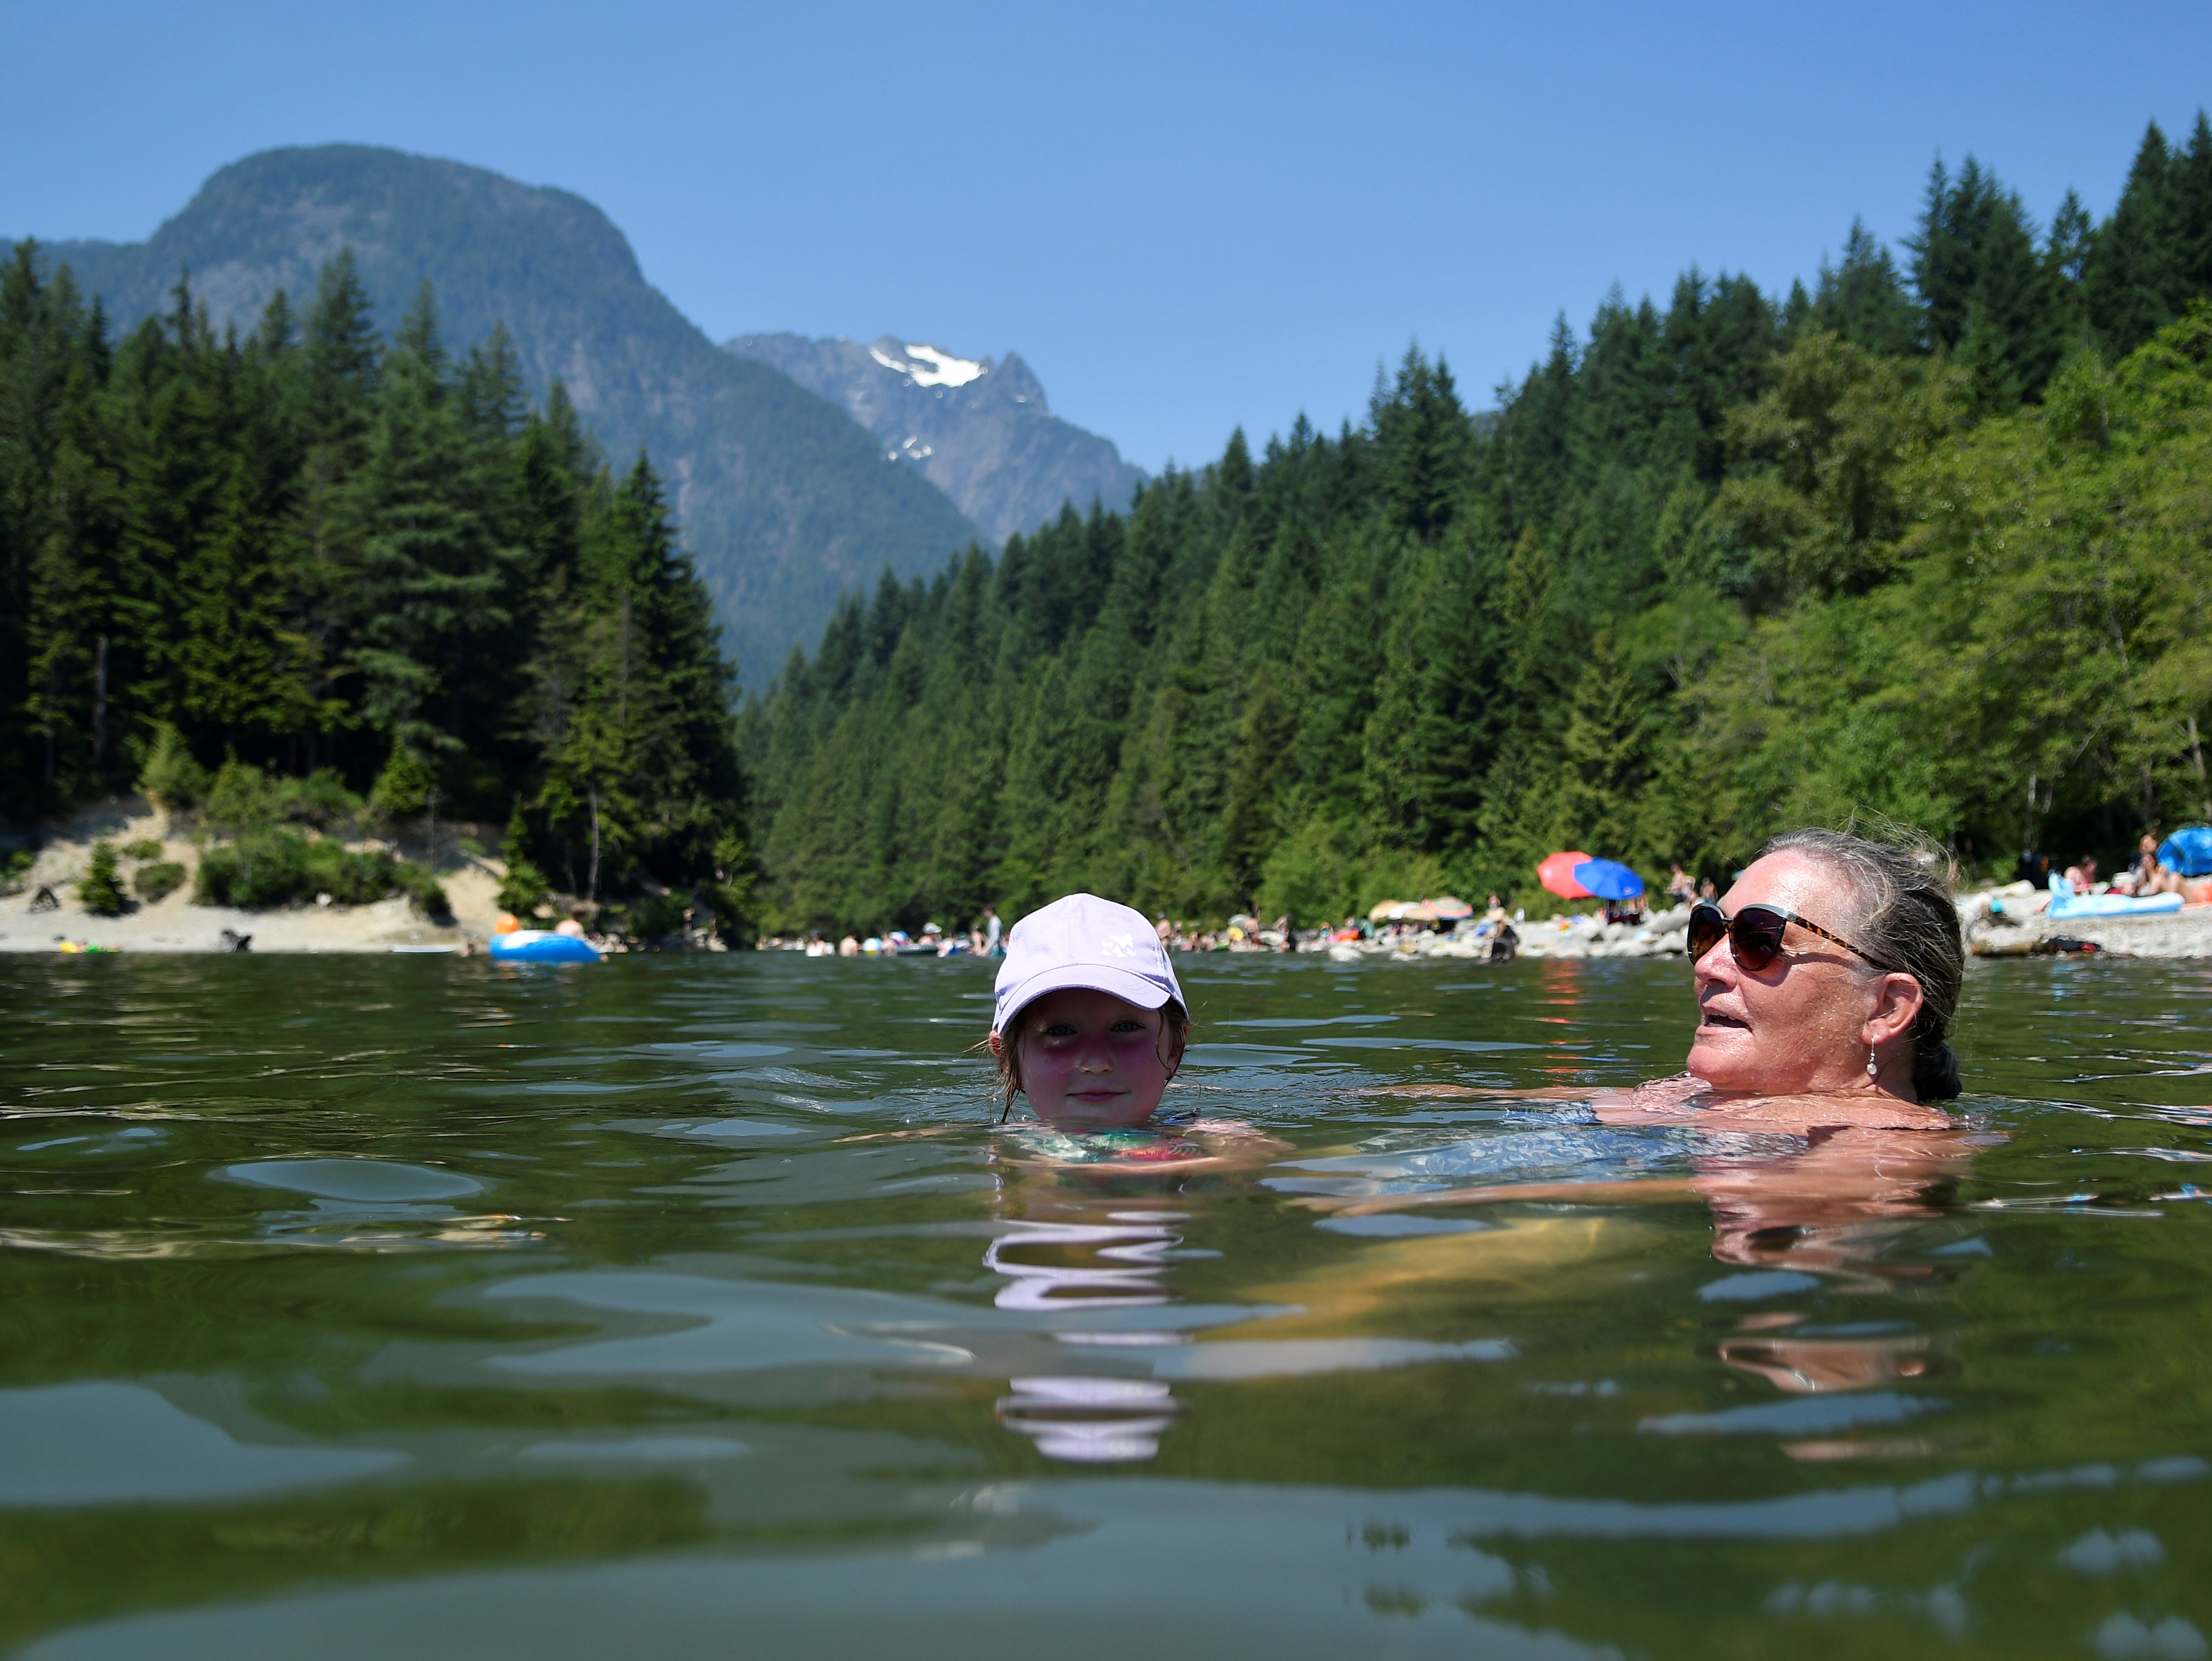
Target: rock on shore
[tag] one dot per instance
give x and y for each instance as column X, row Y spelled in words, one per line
column 1663, row 934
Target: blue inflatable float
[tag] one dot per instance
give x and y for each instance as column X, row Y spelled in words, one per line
column 541, row 945
column 2066, row 903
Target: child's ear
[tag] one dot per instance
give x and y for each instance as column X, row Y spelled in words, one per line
column 998, row 1047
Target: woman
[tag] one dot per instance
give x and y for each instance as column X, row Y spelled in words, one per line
column 1826, row 980
column 1831, row 968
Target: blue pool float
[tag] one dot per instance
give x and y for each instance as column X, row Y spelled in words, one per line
column 541, row 945
column 2065, row 903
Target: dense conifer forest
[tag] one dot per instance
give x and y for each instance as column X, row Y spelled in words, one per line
column 1932, row 539
column 274, row 574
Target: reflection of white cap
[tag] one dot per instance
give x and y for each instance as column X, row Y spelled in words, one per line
column 1083, row 940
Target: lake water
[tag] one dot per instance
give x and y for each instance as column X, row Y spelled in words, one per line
column 687, row 1306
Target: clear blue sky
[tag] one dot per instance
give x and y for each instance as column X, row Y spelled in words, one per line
column 1185, row 217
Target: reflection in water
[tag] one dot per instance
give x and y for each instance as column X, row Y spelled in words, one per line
column 1803, row 1367
column 1090, row 1421
column 720, row 1359
column 1804, row 1205
column 1079, row 1418
column 1139, row 1237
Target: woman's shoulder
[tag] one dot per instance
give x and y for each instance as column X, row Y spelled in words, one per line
column 1844, row 1109
column 1686, row 1099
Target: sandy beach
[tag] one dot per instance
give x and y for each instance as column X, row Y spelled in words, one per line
column 175, row 924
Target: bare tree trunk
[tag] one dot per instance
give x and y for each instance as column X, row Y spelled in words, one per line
column 593, row 894
column 430, row 831
column 100, row 701
column 2196, row 754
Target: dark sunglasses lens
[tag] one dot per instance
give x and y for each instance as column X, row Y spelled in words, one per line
column 1755, row 934
column 1707, row 925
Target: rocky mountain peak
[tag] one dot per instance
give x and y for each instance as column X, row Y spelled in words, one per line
column 977, row 428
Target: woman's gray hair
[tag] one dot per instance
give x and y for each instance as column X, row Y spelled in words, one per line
column 1908, row 924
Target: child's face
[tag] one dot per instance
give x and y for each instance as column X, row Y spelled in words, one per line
column 1089, row 1058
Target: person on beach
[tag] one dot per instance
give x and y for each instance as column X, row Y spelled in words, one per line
column 991, row 929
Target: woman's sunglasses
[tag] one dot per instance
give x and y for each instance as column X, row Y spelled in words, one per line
column 1754, row 933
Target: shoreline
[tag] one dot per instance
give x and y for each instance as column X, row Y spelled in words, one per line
column 471, row 882
column 174, row 924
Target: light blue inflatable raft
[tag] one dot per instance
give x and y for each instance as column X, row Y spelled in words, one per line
column 541, row 945
column 2066, row 904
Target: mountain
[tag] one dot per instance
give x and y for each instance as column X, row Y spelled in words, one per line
column 784, row 500
column 979, row 431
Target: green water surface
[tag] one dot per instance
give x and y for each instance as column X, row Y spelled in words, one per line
column 693, row 1306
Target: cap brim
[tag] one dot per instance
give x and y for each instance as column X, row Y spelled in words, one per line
column 1145, row 993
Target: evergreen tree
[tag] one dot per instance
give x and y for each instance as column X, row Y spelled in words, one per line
column 1865, row 299
column 2131, row 276
column 430, row 576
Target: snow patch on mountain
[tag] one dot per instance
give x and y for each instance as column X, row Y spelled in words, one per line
column 925, row 366
column 979, row 429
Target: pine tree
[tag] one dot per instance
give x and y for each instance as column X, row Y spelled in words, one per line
column 1607, row 752
column 1423, row 432
column 2012, row 340
column 1865, row 299
column 2131, row 281
column 1946, row 249
column 2189, row 208
column 430, row 576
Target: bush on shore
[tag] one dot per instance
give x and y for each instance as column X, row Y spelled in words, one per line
column 97, row 891
column 279, row 866
column 159, row 880
column 525, row 888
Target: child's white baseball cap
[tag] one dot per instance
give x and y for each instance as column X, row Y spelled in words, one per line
column 1082, row 940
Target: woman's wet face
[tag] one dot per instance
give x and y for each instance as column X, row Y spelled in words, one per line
column 1798, row 1025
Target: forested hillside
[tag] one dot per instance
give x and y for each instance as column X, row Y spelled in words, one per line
column 1932, row 539
column 784, row 500
column 354, row 561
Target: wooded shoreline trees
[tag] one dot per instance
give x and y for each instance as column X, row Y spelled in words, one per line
column 316, row 552
column 1934, row 542
column 1933, row 539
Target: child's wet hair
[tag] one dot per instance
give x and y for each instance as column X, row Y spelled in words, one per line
column 1174, row 1027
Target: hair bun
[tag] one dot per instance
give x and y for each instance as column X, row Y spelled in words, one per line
column 1934, row 1076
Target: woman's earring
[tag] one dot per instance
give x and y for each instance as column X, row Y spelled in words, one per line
column 1874, row 1067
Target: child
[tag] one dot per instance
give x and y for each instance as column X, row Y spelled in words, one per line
column 1091, row 1022
column 1091, row 1026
